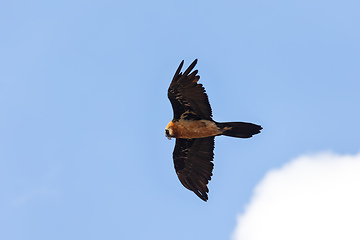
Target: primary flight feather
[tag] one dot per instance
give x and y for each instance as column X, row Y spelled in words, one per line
column 195, row 130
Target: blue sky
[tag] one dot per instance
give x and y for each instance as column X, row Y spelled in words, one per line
column 83, row 101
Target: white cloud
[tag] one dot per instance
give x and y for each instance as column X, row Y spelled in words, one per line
column 313, row 197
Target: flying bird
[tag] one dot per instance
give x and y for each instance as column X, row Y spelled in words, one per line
column 195, row 131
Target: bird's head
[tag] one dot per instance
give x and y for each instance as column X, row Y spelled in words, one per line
column 169, row 133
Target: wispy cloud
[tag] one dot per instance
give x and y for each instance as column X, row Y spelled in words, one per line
column 43, row 187
column 38, row 192
column 313, row 197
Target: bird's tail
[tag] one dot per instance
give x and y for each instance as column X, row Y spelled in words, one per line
column 239, row 129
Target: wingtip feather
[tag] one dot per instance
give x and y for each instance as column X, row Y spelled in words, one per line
column 178, row 69
column 192, row 65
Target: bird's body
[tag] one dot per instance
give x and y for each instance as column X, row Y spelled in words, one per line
column 193, row 128
column 195, row 131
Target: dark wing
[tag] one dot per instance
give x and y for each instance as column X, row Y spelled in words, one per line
column 187, row 96
column 193, row 163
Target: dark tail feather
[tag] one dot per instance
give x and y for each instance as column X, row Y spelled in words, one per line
column 239, row 129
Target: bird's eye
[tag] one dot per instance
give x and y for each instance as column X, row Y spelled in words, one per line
column 167, row 132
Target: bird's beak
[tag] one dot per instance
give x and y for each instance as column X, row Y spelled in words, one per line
column 169, row 138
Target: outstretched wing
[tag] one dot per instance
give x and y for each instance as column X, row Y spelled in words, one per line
column 187, row 97
column 193, row 163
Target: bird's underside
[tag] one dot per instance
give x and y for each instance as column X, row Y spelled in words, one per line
column 195, row 131
column 193, row 128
